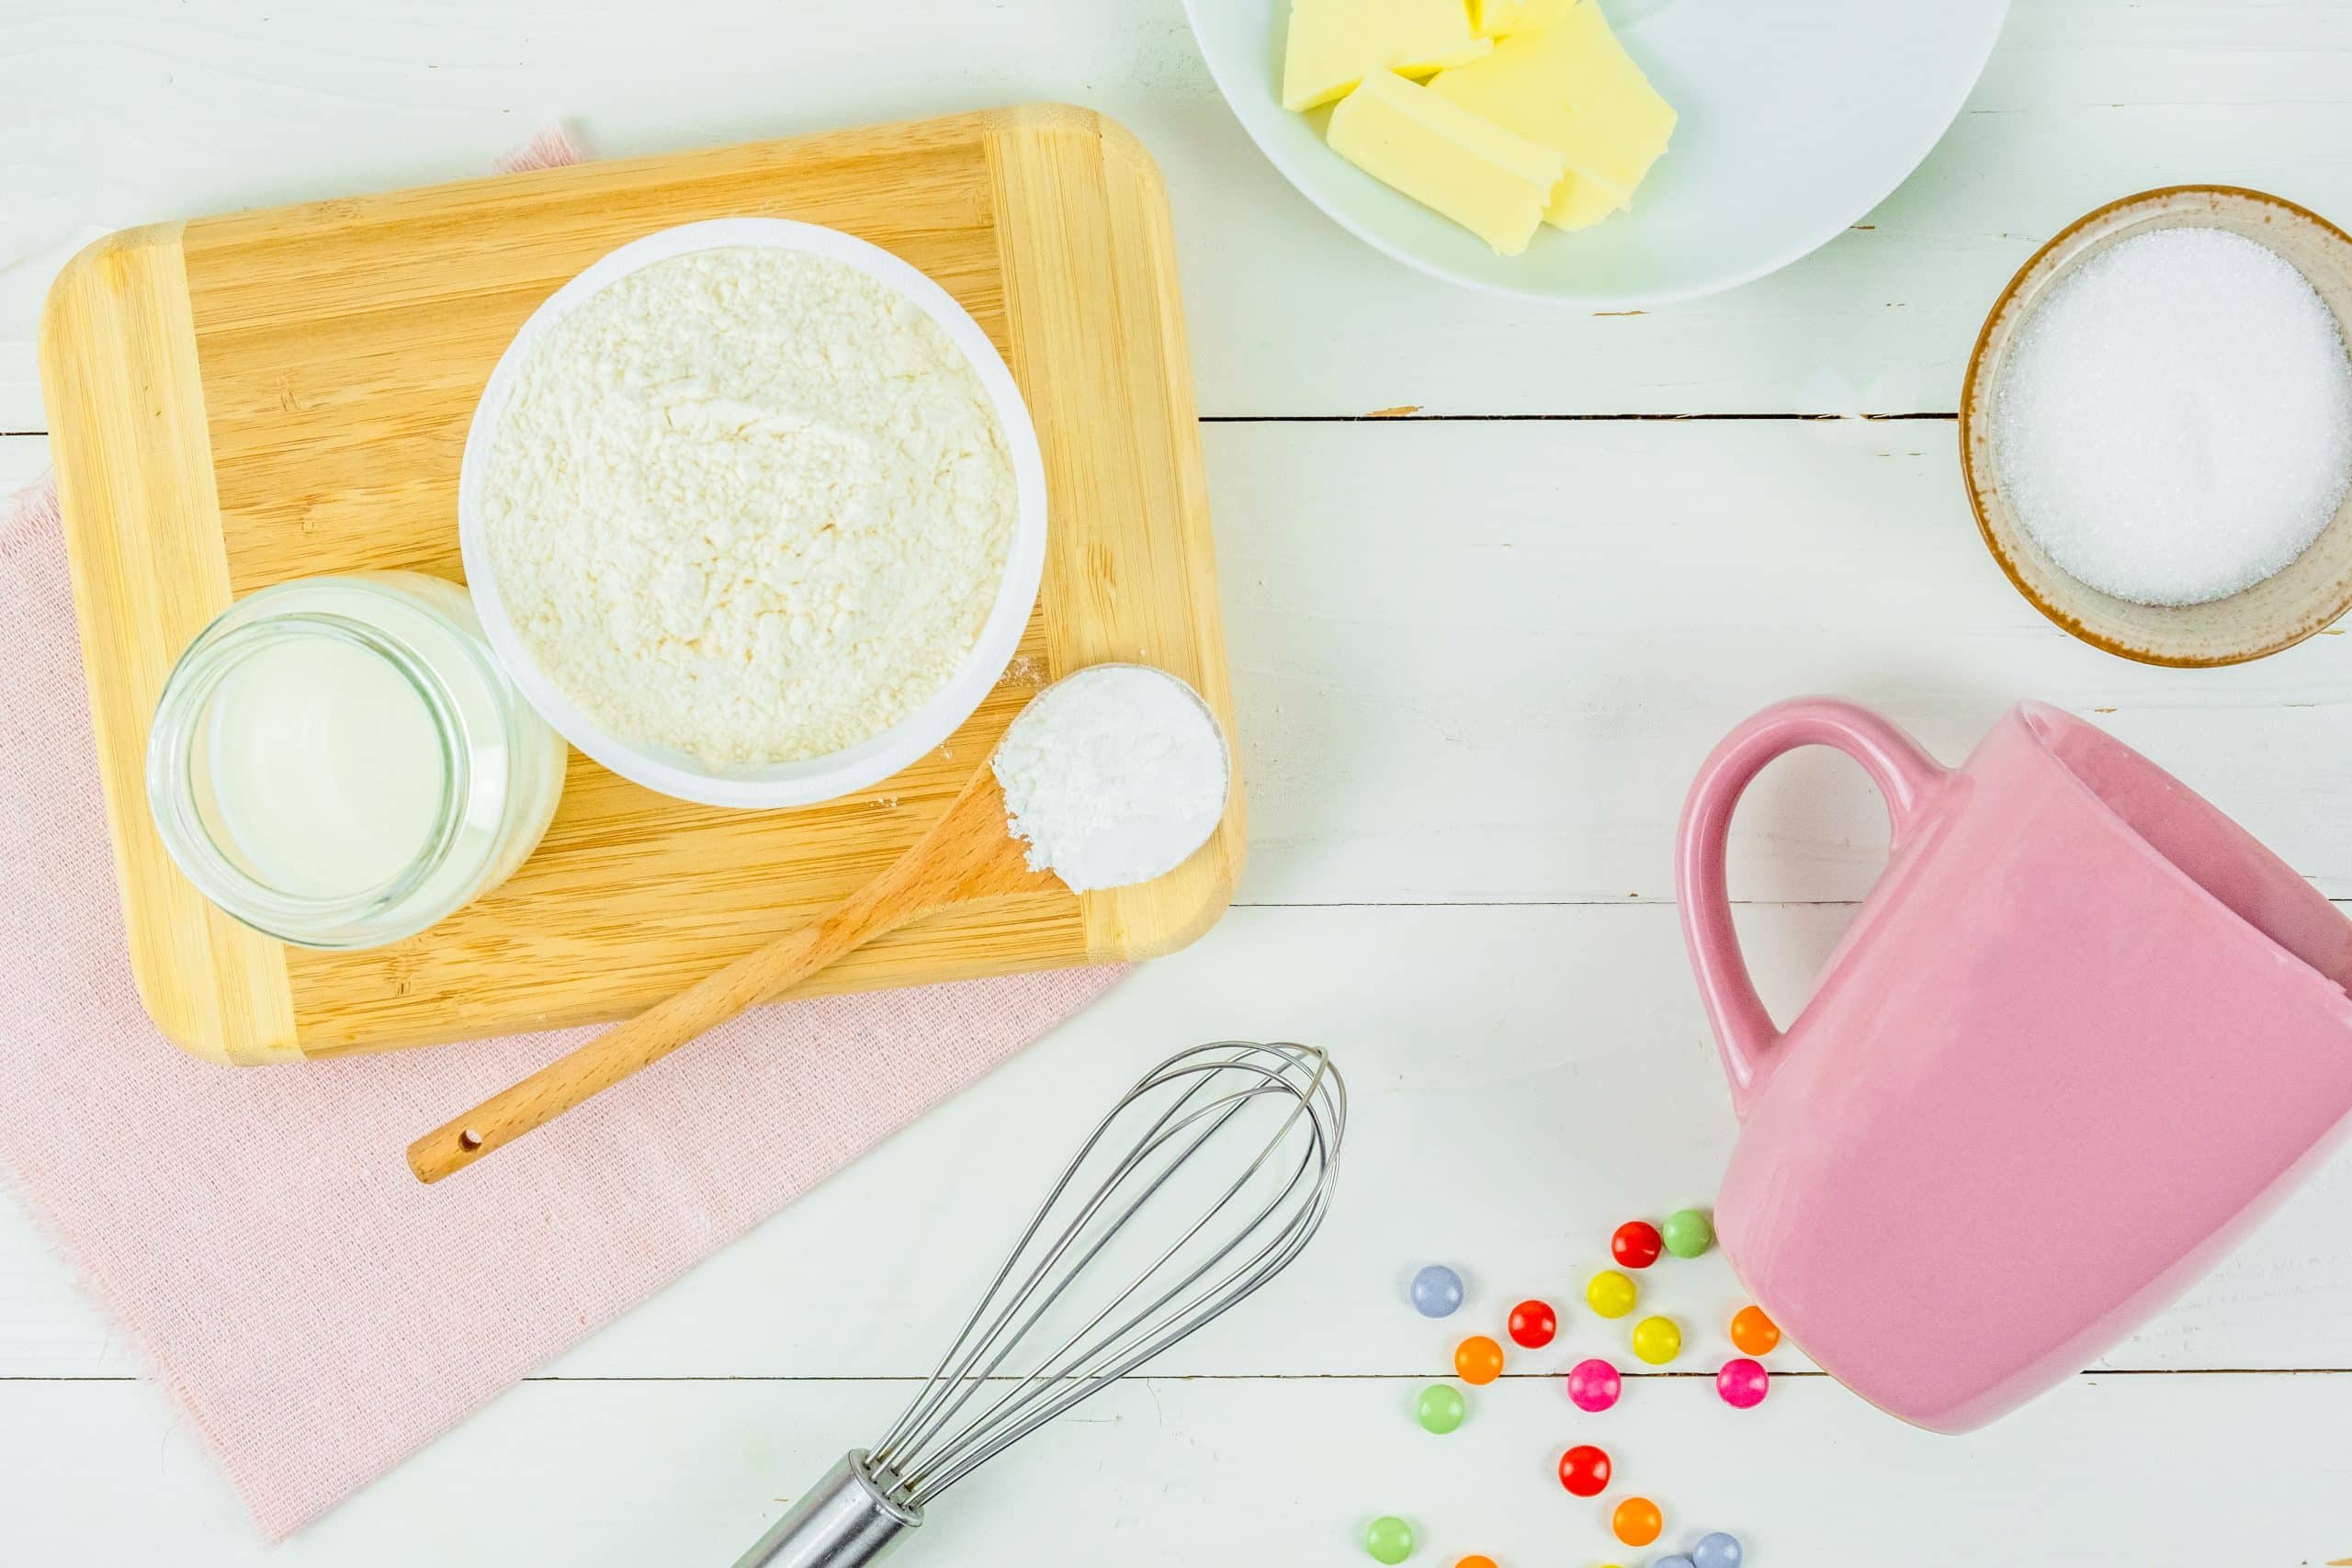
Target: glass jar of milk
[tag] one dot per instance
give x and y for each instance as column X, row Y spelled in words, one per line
column 340, row 761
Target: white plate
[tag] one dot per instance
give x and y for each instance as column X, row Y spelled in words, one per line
column 1797, row 118
column 818, row 778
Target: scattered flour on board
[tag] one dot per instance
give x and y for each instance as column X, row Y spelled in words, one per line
column 1113, row 775
column 748, row 503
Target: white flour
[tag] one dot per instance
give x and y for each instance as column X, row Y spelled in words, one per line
column 748, row 503
column 1115, row 776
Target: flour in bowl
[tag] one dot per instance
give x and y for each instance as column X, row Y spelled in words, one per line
column 749, row 503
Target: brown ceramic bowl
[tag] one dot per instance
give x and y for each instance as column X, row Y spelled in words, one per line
column 2279, row 611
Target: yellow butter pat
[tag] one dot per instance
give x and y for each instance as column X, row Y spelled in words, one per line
column 1334, row 44
column 1571, row 86
column 1491, row 181
column 1498, row 19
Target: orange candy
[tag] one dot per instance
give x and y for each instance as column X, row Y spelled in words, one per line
column 1637, row 1521
column 1753, row 1332
column 1475, row 1561
column 1478, row 1360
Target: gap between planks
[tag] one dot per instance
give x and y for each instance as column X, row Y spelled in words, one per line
column 1810, row 1374
column 1412, row 412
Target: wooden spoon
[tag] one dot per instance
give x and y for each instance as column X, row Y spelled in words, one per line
column 969, row 853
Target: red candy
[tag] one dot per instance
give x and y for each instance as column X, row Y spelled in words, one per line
column 1532, row 1323
column 1584, row 1469
column 1636, row 1244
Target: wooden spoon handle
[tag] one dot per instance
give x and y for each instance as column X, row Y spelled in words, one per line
column 643, row 1041
column 967, row 853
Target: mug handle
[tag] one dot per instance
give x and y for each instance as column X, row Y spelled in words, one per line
column 1905, row 775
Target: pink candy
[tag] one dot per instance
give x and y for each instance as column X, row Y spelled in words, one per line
column 1742, row 1383
column 1595, row 1385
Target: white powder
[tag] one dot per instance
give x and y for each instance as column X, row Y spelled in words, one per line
column 748, row 503
column 1115, row 776
column 2175, row 421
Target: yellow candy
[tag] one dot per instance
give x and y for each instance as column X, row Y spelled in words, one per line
column 1658, row 1341
column 1610, row 1294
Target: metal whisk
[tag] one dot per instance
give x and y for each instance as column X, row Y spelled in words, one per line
column 1203, row 1181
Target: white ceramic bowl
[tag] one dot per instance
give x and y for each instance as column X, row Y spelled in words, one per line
column 805, row 783
column 1797, row 118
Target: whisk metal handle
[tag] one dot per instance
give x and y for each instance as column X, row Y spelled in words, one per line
column 845, row 1521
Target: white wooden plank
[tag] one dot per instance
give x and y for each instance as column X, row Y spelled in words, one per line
column 125, row 111
column 1480, row 661
column 1521, row 1080
column 23, row 459
column 1483, row 659
column 2249, row 1468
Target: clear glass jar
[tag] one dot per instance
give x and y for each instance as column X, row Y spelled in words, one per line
column 340, row 761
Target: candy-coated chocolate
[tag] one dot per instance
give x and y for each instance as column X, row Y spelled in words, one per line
column 1437, row 1290
column 1584, row 1469
column 1658, row 1341
column 1388, row 1539
column 1478, row 1359
column 1688, row 1232
column 1635, row 1244
column 1754, row 1332
column 1594, row 1385
column 1440, row 1409
column 1677, row 1561
column 1475, row 1560
column 1717, row 1549
column 1532, row 1323
column 1610, row 1294
column 1637, row 1521
column 1743, row 1384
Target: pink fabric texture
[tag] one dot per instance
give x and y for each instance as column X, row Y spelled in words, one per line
column 255, row 1231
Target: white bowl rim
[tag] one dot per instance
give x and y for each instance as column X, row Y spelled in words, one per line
column 1308, row 185
column 814, row 779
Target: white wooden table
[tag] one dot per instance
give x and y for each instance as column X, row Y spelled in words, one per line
column 1478, row 654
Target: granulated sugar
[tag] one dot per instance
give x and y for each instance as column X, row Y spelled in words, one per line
column 2175, row 421
column 1115, row 776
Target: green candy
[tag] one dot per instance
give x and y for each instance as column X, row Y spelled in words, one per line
column 1688, row 1233
column 1388, row 1539
column 1440, row 1409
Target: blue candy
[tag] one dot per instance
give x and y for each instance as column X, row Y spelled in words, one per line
column 1437, row 1290
column 1717, row 1551
column 1672, row 1562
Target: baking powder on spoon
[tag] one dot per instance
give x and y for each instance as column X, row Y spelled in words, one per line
column 1113, row 775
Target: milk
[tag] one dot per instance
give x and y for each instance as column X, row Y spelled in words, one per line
column 326, row 767
column 340, row 761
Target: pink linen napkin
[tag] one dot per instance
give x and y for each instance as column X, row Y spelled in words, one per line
column 255, row 1231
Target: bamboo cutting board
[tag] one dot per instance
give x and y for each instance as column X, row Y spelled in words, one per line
column 241, row 399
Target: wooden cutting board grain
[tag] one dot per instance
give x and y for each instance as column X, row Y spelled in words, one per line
column 237, row 401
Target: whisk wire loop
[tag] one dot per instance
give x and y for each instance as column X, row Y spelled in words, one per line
column 1196, row 1095
column 955, row 1387
column 1074, row 1370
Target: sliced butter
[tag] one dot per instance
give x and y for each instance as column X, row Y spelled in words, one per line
column 1491, row 181
column 1497, row 19
column 1571, row 86
column 1580, row 202
column 1333, row 44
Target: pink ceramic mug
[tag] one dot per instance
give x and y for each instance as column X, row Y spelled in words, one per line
column 2083, row 1032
